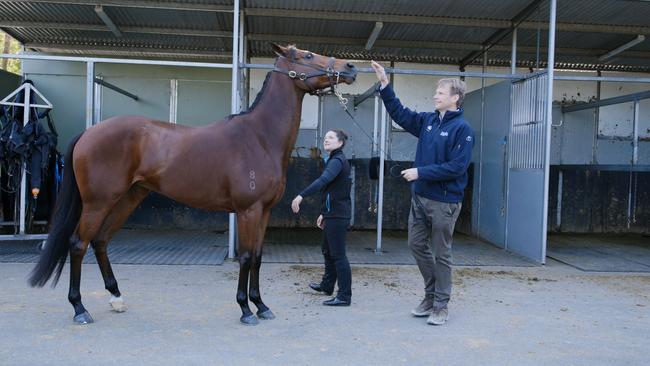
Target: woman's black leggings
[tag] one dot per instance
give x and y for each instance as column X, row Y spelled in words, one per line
column 336, row 261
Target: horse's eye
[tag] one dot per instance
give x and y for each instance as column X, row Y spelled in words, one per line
column 309, row 55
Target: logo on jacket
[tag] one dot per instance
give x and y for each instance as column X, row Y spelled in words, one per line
column 429, row 128
column 444, row 133
column 468, row 138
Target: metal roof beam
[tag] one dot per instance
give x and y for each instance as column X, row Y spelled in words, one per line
column 605, row 102
column 100, row 28
column 373, row 35
column 430, row 45
column 72, row 47
column 407, row 19
column 99, row 10
column 500, row 34
column 451, row 21
column 170, row 5
column 310, row 39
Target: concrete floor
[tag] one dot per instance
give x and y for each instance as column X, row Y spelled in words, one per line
column 601, row 253
column 187, row 315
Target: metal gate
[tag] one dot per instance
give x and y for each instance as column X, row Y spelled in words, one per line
column 525, row 224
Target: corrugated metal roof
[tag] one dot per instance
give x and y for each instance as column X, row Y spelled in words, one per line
column 504, row 9
column 78, row 29
column 604, row 12
column 166, row 18
column 45, row 12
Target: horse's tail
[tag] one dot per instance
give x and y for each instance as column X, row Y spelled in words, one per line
column 63, row 223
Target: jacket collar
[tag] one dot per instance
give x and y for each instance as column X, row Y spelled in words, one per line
column 331, row 154
column 449, row 115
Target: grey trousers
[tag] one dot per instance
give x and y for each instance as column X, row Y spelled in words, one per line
column 435, row 234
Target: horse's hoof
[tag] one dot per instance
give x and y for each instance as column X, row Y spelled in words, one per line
column 117, row 303
column 83, row 318
column 266, row 315
column 249, row 319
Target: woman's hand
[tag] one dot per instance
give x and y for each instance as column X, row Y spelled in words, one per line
column 295, row 204
column 319, row 222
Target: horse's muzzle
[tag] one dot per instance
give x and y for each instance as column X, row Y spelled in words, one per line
column 350, row 73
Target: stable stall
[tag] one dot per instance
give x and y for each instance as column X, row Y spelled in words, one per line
column 97, row 59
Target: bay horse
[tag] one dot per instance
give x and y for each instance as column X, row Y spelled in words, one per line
column 238, row 164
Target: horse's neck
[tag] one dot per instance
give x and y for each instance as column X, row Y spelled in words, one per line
column 276, row 117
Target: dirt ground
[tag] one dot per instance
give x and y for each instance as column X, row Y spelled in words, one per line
column 187, row 315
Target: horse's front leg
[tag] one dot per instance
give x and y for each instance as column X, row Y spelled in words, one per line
column 263, row 312
column 248, row 223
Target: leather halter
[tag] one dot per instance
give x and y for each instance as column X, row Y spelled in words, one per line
column 332, row 75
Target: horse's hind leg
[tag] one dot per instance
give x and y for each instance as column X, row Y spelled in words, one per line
column 89, row 224
column 248, row 223
column 263, row 312
column 112, row 223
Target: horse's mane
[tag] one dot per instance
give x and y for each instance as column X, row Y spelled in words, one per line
column 257, row 98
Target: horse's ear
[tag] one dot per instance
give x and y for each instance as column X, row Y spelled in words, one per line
column 279, row 50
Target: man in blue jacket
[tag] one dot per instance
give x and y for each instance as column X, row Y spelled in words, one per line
column 438, row 180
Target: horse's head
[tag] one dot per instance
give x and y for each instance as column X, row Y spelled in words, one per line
column 310, row 71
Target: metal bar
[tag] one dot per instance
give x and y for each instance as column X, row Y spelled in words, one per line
column 635, row 134
column 90, row 93
column 479, row 74
column 380, row 196
column 23, row 180
column 508, row 165
column 609, row 101
column 234, row 108
column 629, row 201
column 373, row 35
column 594, row 146
column 635, row 157
column 109, row 60
column 353, row 188
column 123, row 29
column 54, row 45
column 558, row 216
column 99, row 10
column 513, row 57
column 97, row 103
column 480, row 156
column 241, row 60
column 116, row 88
column 375, row 124
column 603, row 79
column 21, row 105
column 549, row 122
column 358, row 99
column 639, row 38
column 390, row 70
column 170, row 5
column 23, row 237
column 173, row 101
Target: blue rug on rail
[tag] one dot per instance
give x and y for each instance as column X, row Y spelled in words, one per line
column 140, row 247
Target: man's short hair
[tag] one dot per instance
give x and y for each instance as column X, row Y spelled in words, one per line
column 456, row 87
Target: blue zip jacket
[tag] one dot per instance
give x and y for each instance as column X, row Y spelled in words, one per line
column 444, row 148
